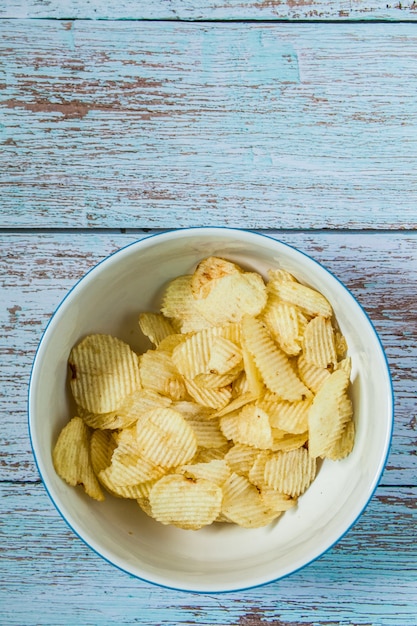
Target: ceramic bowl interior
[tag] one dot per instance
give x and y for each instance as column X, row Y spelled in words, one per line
column 221, row 557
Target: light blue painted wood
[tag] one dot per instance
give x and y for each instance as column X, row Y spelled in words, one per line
column 130, row 124
column 37, row 271
column 50, row 578
column 212, row 9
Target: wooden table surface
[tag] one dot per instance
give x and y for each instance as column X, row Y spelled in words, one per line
column 293, row 117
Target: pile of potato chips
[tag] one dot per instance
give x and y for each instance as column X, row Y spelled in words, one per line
column 225, row 417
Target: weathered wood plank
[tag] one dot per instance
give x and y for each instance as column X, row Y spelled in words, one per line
column 138, row 124
column 367, row 578
column 212, row 9
column 37, row 270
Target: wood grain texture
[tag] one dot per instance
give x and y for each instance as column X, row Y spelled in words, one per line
column 213, row 9
column 367, row 579
column 149, row 124
column 37, row 271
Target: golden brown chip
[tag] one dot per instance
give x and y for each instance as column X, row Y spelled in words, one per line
column 71, row 458
column 273, row 364
column 166, row 438
column 330, row 410
column 104, row 370
column 188, row 503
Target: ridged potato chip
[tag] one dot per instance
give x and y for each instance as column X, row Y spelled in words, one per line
column 155, row 326
column 188, row 503
column 159, row 373
column 243, row 505
column 180, row 305
column 166, row 438
column 330, row 410
column 311, row 375
column 216, row 470
column 273, row 364
column 291, row 417
column 104, row 370
column 290, row 472
column 319, row 345
column 240, row 458
column 283, row 322
column 71, row 458
column 232, row 297
column 309, row 300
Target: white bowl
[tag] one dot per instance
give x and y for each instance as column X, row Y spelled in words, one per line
column 221, row 557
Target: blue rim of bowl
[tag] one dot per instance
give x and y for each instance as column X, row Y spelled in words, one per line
column 206, row 229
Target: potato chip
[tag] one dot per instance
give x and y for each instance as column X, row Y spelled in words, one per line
column 224, row 355
column 180, row 304
column 156, row 327
column 213, row 398
column 256, row 473
column 104, row 370
column 102, row 445
column 232, row 297
column 205, row 455
column 216, row 381
column 127, row 469
column 344, row 445
column 291, row 417
column 275, row 500
column 106, row 421
column 208, row 272
column 71, row 458
column 216, row 470
column 277, row 276
column 283, row 322
column 309, row 300
column 345, row 365
column 243, row 505
column 166, row 438
column 207, row 432
column 287, row 441
column 290, row 472
column 330, row 410
column 319, row 347
column 272, row 363
column 236, row 404
column 254, row 381
column 311, row 375
column 188, row 503
column 158, row 373
column 240, row 458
